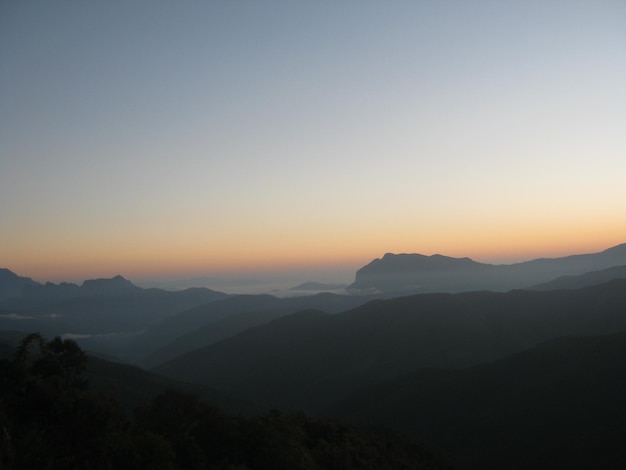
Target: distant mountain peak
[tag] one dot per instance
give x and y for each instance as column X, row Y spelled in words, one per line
column 107, row 286
column 439, row 273
column 12, row 285
column 8, row 274
column 416, row 260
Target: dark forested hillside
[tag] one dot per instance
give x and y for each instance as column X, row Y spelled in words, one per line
column 308, row 360
column 51, row 419
column 560, row 405
column 226, row 318
column 131, row 385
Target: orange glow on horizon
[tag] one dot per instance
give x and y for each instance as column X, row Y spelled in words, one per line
column 152, row 262
column 344, row 244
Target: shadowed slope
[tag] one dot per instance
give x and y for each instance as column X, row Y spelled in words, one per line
column 227, row 318
column 309, row 359
column 560, row 405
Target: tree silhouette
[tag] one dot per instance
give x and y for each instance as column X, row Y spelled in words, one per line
column 60, row 360
column 49, row 419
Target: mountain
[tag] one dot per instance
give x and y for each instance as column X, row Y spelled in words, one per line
column 53, row 418
column 111, row 313
column 12, row 285
column 169, row 329
column 133, row 386
column 418, row 272
column 309, row 359
column 226, row 318
column 102, row 314
column 92, row 287
column 115, row 285
column 437, row 273
column 559, row 405
column 583, row 280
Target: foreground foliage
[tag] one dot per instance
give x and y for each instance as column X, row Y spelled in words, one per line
column 49, row 419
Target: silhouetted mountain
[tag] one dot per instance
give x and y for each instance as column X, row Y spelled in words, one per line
column 309, row 359
column 115, row 285
column 584, row 280
column 444, row 274
column 101, row 306
column 560, row 405
column 65, row 290
column 419, row 272
column 51, row 291
column 12, row 285
column 229, row 317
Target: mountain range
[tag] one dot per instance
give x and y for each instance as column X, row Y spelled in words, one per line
column 583, row 280
column 496, row 366
column 226, row 318
column 438, row 273
column 97, row 307
column 12, row 285
column 150, row 326
column 309, row 359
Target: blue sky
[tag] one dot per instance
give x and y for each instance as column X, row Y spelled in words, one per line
column 179, row 138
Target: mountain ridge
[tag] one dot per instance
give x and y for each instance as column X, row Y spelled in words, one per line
column 583, row 280
column 439, row 273
column 326, row 355
column 557, row 405
column 12, row 285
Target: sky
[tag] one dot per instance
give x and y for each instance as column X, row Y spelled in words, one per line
column 184, row 138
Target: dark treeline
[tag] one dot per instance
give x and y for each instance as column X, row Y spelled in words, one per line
column 50, row 419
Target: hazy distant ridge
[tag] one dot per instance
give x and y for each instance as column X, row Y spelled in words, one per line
column 98, row 306
column 437, row 273
column 583, row 280
column 12, row 285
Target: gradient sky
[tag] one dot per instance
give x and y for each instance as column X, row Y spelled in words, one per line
column 177, row 138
